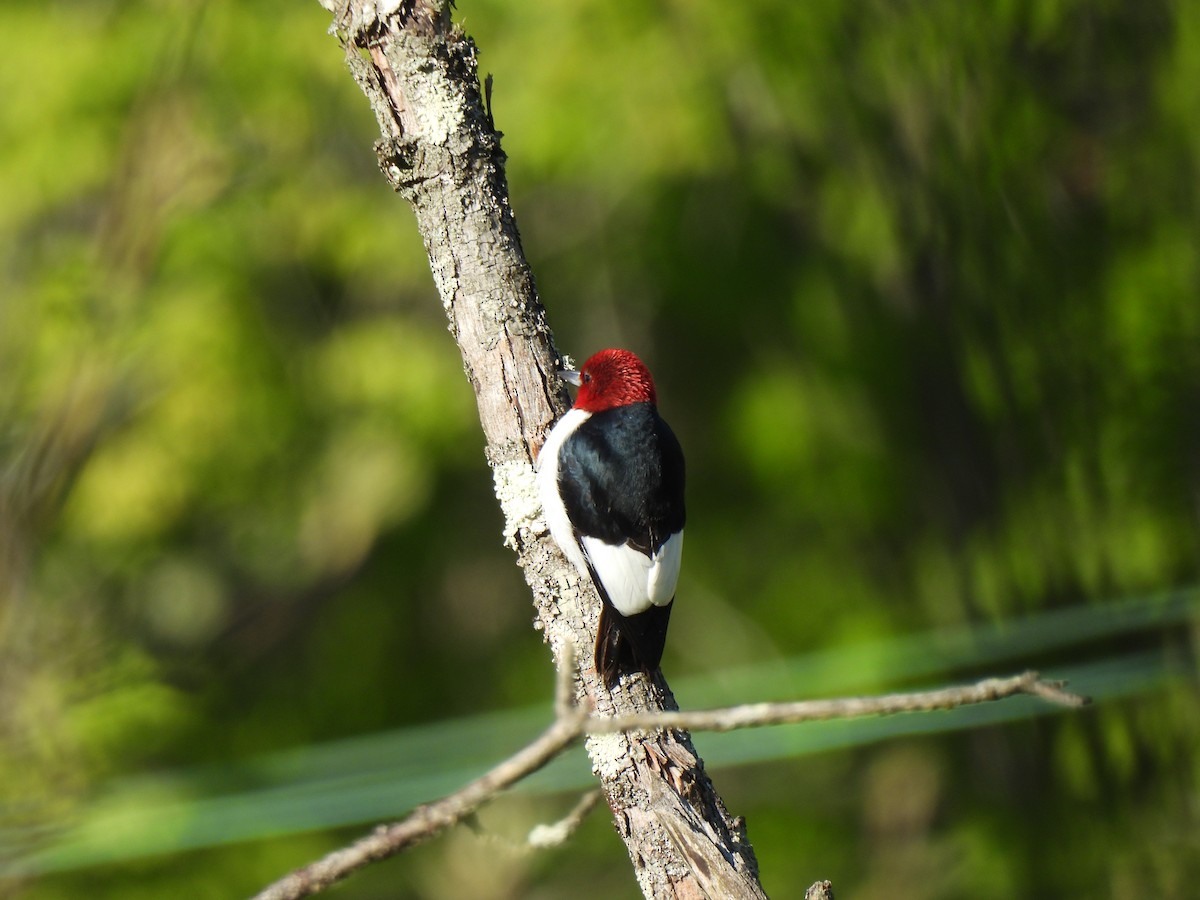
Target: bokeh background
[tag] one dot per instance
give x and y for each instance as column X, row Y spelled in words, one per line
column 919, row 284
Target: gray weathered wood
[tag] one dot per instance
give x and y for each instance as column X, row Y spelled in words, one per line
column 439, row 149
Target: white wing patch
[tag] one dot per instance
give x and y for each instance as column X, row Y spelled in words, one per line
column 560, row 525
column 632, row 580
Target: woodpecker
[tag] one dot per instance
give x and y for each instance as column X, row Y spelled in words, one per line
column 611, row 479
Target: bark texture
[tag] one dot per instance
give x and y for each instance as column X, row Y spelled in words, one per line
column 441, row 152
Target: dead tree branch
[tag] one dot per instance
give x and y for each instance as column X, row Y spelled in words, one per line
column 426, row 821
column 438, row 148
column 573, row 723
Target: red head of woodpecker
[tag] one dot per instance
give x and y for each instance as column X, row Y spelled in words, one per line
column 611, row 479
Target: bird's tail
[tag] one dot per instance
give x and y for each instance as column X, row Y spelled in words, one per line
column 630, row 643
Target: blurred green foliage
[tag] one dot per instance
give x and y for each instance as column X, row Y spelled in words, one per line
column 919, row 283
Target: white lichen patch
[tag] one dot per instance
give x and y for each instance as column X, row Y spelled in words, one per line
column 516, row 489
column 434, row 104
column 609, row 753
column 566, row 649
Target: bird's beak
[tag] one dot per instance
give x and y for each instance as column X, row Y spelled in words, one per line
column 569, row 376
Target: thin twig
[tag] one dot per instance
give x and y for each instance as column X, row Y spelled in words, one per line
column 573, row 722
column 543, row 837
column 431, row 819
column 564, row 682
column 759, row 714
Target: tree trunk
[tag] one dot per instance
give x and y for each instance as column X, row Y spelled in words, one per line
column 441, row 152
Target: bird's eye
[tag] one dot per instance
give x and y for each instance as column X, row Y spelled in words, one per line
column 587, row 377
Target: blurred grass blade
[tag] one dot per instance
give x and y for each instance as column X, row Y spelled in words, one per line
column 379, row 777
